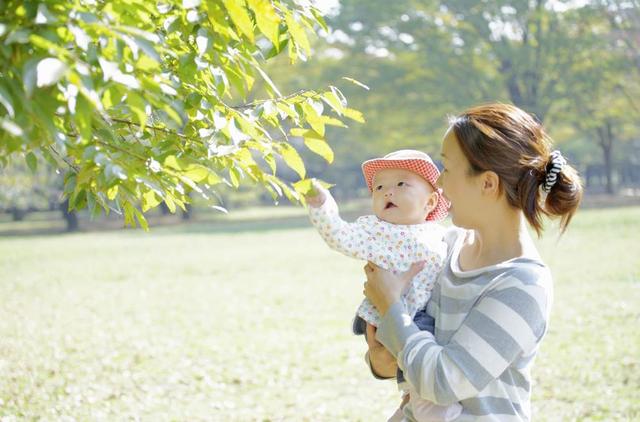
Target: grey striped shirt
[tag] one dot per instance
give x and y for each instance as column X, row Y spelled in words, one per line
column 489, row 324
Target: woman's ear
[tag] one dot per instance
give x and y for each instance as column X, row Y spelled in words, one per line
column 490, row 183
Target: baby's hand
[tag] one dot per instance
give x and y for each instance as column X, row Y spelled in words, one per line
column 316, row 196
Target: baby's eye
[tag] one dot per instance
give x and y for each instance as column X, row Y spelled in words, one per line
column 401, row 183
column 378, row 187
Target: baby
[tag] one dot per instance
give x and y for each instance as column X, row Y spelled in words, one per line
column 404, row 230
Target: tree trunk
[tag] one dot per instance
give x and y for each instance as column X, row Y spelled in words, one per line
column 70, row 216
column 18, row 214
column 605, row 135
column 186, row 215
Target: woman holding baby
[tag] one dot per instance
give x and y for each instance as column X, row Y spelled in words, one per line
column 492, row 300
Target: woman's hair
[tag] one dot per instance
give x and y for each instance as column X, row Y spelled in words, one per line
column 510, row 142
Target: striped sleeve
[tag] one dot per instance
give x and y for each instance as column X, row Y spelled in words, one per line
column 506, row 323
column 347, row 238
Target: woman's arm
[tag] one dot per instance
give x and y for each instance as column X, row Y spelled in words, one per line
column 505, row 324
column 382, row 363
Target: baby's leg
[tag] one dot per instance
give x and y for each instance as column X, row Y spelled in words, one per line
column 426, row 411
column 359, row 325
column 398, row 415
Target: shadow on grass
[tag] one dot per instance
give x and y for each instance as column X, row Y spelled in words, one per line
column 225, row 227
column 245, row 225
column 46, row 224
column 160, row 226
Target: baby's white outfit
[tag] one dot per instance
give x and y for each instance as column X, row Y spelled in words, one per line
column 393, row 247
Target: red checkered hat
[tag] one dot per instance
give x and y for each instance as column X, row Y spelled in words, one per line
column 415, row 161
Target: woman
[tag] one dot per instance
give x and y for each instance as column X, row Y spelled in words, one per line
column 491, row 302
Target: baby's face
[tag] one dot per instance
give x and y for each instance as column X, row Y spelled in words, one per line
column 402, row 197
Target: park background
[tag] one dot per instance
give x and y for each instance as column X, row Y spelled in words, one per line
column 234, row 309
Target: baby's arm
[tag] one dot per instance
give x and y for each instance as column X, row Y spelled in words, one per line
column 347, row 238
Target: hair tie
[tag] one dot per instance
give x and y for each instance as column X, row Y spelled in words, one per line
column 554, row 167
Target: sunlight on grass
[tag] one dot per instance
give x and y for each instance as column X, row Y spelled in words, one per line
column 241, row 323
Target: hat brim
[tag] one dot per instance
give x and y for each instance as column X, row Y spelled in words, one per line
column 423, row 168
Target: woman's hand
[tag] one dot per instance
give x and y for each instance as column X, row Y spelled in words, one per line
column 383, row 364
column 383, row 288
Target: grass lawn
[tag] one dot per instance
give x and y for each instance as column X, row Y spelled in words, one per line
column 249, row 321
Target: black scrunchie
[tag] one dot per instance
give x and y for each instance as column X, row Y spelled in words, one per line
column 554, row 167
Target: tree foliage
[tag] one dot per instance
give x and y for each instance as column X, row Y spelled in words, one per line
column 145, row 102
column 564, row 61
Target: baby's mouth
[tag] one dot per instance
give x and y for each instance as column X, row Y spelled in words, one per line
column 390, row 205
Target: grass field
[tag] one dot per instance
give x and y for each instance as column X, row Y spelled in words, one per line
column 249, row 321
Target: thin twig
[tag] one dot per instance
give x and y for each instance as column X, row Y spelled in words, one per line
column 65, row 159
column 161, row 129
column 258, row 102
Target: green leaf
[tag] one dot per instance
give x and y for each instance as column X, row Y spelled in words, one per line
column 292, row 158
column 316, row 14
column 313, row 118
column 240, row 17
column 5, row 100
column 128, row 214
column 297, row 32
column 319, row 146
column 83, row 117
column 112, row 96
column 275, row 50
column 213, row 178
column 234, row 175
column 332, row 99
column 196, row 172
column 168, row 200
column 305, row 186
column 141, row 219
column 353, row 81
column 271, row 162
column 147, row 64
column 267, row 19
column 150, row 200
column 29, row 75
column 354, row 115
column 173, row 162
column 32, row 161
column 137, row 106
column 332, row 121
column 282, row 187
column 92, row 204
column 112, row 192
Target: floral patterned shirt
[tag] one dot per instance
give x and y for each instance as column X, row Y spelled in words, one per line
column 391, row 246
